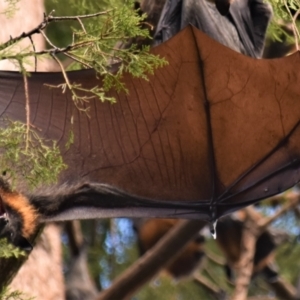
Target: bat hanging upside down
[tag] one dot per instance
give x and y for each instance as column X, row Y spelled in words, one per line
column 211, row 132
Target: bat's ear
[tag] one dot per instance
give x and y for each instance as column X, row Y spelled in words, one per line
column 23, row 244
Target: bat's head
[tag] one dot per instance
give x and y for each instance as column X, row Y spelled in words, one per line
column 17, row 220
column 10, row 228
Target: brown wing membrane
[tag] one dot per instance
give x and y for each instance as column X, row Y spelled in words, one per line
column 212, row 127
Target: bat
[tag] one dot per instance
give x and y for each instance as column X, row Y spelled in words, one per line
column 212, row 132
column 150, row 231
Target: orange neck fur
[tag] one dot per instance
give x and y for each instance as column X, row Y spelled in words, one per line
column 28, row 214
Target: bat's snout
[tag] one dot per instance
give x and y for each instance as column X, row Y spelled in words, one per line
column 13, row 236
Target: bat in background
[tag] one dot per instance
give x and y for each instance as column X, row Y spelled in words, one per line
column 229, row 237
column 150, row 231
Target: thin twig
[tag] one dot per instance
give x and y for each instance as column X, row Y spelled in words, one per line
column 215, row 258
column 70, row 86
column 73, row 57
column 147, row 24
column 27, row 108
column 63, row 72
column 47, row 39
column 81, row 24
column 53, row 51
column 34, row 50
column 295, row 29
column 48, row 19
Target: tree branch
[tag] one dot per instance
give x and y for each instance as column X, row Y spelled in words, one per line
column 217, row 292
column 152, row 262
column 283, row 289
column 47, row 20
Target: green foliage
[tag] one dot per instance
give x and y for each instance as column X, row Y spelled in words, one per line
column 94, row 43
column 288, row 260
column 6, row 294
column 282, row 9
column 8, row 250
column 163, row 287
column 91, row 43
column 38, row 162
column 283, row 13
column 11, row 8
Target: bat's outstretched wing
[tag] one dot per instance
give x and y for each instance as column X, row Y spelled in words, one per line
column 211, row 132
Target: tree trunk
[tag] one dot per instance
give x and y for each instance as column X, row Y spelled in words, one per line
column 41, row 275
column 244, row 267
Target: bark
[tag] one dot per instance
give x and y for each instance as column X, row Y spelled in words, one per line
column 152, row 262
column 41, row 276
column 244, row 267
column 252, row 230
column 79, row 284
